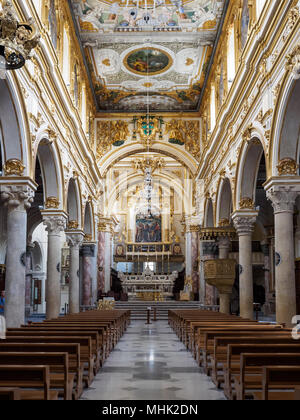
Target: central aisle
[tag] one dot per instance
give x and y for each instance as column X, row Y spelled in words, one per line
column 150, row 363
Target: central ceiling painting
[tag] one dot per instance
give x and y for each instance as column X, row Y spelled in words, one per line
column 147, row 55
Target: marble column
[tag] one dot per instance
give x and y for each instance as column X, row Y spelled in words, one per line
column 18, row 198
column 244, row 226
column 101, row 261
column 88, row 253
column 74, row 239
column 104, row 254
column 95, row 275
column 55, row 224
column 209, row 250
column 267, row 270
column 192, row 255
column 28, row 283
column 283, row 201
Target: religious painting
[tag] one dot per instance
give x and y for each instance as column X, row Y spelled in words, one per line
column 148, row 229
column 148, row 61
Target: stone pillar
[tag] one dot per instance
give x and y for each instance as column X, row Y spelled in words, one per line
column 283, row 200
column 104, row 254
column 28, row 283
column 74, row 239
column 95, row 275
column 55, row 223
column 267, row 270
column 88, row 254
column 224, row 246
column 18, row 199
column 244, row 226
column 209, row 251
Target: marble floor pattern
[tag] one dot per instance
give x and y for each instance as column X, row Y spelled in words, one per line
column 150, row 363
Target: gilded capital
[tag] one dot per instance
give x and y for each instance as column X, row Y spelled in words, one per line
column 287, row 166
column 246, row 203
column 52, row 203
column 14, row 167
column 73, row 224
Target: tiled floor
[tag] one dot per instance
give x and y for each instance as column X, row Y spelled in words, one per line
column 150, row 363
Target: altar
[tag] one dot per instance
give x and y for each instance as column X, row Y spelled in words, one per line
column 148, row 286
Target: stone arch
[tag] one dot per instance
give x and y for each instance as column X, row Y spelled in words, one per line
column 286, row 125
column 224, row 202
column 13, row 125
column 165, row 180
column 165, row 149
column 52, row 174
column 88, row 225
column 247, row 172
column 74, row 202
column 209, row 214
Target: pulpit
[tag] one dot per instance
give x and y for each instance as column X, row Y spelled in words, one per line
column 221, row 274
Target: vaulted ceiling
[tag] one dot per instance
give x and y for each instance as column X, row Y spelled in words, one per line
column 147, row 56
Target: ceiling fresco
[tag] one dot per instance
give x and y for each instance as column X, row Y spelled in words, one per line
column 147, row 54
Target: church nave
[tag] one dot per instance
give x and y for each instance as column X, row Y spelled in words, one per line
column 150, row 363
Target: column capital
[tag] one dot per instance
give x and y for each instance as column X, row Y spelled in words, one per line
column 88, row 250
column 283, row 198
column 74, row 238
column 55, row 222
column 244, row 222
column 18, row 195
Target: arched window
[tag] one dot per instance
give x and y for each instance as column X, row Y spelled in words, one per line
column 231, row 57
column 212, row 108
column 244, row 24
column 53, row 23
column 66, row 59
column 259, row 7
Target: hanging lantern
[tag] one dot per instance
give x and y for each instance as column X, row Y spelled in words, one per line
column 17, row 39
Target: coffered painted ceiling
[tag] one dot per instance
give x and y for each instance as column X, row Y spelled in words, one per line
column 147, row 59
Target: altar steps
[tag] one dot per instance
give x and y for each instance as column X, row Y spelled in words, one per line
column 139, row 308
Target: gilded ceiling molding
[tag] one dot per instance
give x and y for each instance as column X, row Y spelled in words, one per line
column 246, row 203
column 287, row 166
column 14, row 167
column 52, row 203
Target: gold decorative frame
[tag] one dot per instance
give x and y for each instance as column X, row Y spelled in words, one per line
column 171, row 62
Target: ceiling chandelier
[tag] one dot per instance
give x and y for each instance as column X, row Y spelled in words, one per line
column 17, row 40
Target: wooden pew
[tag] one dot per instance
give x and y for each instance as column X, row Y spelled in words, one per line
column 87, row 359
column 98, row 347
column 10, row 394
column 33, row 381
column 57, row 362
column 285, row 377
column 221, row 342
column 235, row 369
column 205, row 347
column 73, row 350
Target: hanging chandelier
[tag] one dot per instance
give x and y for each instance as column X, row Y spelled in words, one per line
column 17, row 40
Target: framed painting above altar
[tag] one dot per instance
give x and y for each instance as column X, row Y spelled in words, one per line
column 148, row 229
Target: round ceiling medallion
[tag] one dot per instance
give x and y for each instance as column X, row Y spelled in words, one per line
column 148, row 61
